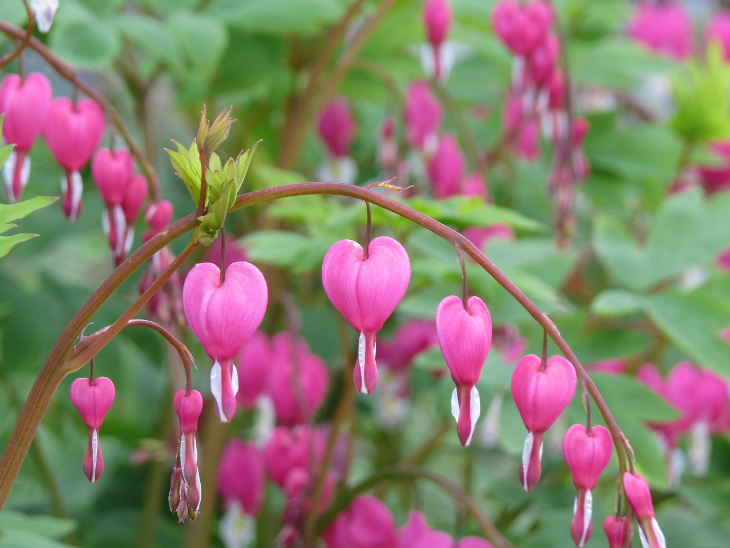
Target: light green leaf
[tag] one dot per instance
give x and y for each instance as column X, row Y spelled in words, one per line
column 202, row 39
column 7, row 243
column 614, row 303
column 86, row 42
column 45, row 526
column 13, row 212
column 279, row 17
column 151, row 36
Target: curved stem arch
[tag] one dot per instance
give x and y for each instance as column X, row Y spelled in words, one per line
column 65, row 359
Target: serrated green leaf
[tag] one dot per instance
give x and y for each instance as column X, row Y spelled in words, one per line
column 186, row 164
column 7, row 243
column 13, row 212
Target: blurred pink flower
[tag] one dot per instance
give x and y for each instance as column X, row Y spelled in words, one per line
column 336, row 127
column 446, row 167
column 664, row 28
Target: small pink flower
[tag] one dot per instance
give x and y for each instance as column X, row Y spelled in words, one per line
column 446, row 167
column 410, row 339
column 543, row 59
column 366, row 523
column 223, row 317
column 242, row 476
column 422, row 113
column 255, row 361
column 615, row 529
column 112, row 172
column 414, row 528
column 289, row 448
column 437, row 19
column 188, row 407
column 475, row 185
column 73, row 132
column 664, row 28
column 298, row 380
column 25, row 102
column 587, row 454
column 540, row 395
column 158, row 215
column 465, row 336
column 337, row 128
column 92, row 399
column 366, row 291
column 133, row 200
column 637, row 491
column 521, row 28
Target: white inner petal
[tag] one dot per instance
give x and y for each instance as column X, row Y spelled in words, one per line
column 234, row 379
column 587, row 513
column 526, row 451
column 44, row 11
column 197, row 474
column 455, row 405
column 699, row 447
column 129, row 240
column 236, row 528
column 217, row 390
column 105, row 224
column 120, row 223
column 518, row 71
column 94, row 449
column 361, row 362
column 644, row 543
column 475, row 408
column 9, row 172
column 265, row 420
column 182, row 457
column 658, row 533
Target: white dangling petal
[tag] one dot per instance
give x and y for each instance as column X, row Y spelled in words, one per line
column 120, row 223
column 217, row 390
column 526, row 452
column 455, row 406
column 105, row 224
column 236, row 528
column 700, row 444
column 587, row 513
column 361, row 362
column 475, row 409
column 44, row 11
column 644, row 543
column 197, row 475
column 9, row 173
column 183, row 454
column 658, row 532
column 76, row 190
column 265, row 420
column 234, row 379
column 518, row 71
column 94, row 450
column 428, row 59
column 128, row 240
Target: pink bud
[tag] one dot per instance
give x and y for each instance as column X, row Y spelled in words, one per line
column 422, row 114
column 718, row 29
column 521, row 28
column 540, row 395
column 298, row 380
column 25, row 102
column 223, row 317
column 615, row 529
column 465, row 336
column 475, row 185
column 587, row 454
column 637, row 491
column 446, row 167
column 134, row 198
column 366, row 523
column 435, row 539
column 255, row 361
column 188, row 408
column 437, row 19
column 414, row 528
column 288, row 448
column 410, row 339
column 337, row 128
column 543, row 59
column 366, row 292
column 158, row 215
column 93, row 399
column 112, row 172
column 527, row 144
column 556, row 90
column 73, row 133
column 242, row 476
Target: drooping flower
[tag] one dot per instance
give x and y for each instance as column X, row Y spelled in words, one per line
column 366, row 523
column 289, row 448
column 615, row 529
column 133, row 200
column 465, row 336
column 664, row 28
column 223, row 316
column 112, row 172
column 73, row 132
column 413, row 529
column 446, row 167
column 437, row 20
column 188, row 407
column 422, row 113
column 543, row 60
column 587, row 453
column 242, row 476
column 521, row 28
column 541, row 395
column 25, row 102
column 637, row 491
column 255, row 361
column 158, row 215
column 366, row 290
column 93, row 398
column 337, row 128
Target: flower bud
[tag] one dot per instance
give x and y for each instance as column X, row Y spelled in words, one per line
column 188, row 407
column 366, row 291
column 112, row 172
column 255, row 361
column 92, row 399
column 465, row 336
column 615, row 529
column 521, row 28
column 637, row 491
column 242, row 476
column 337, row 128
column 446, row 167
column 437, row 19
column 158, row 215
column 422, row 113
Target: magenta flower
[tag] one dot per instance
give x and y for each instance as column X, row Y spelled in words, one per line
column 587, row 453
column 112, row 172
column 337, row 128
column 255, row 361
column 637, row 491
column 437, row 20
column 718, row 29
column 93, row 398
column 297, row 489
column 223, row 317
column 664, row 28
column 242, row 476
column 480, row 236
column 131, row 205
column 366, row 523
column 465, row 336
column 615, row 529
column 475, row 185
column 188, row 407
column 289, row 448
column 25, row 102
column 73, row 132
column 543, row 59
column 446, row 167
column 540, row 395
column 158, row 215
column 521, row 28
column 409, row 340
column 298, row 379
column 413, row 529
column 366, row 291
column 422, row 113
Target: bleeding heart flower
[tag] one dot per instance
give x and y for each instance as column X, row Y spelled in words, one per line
column 446, row 167
column 73, row 132
column 522, row 28
column 637, row 491
column 422, row 114
column 366, row 523
column 543, row 59
column 414, row 528
column 437, row 20
column 337, row 128
column 133, row 200
column 25, row 102
column 664, row 28
column 410, row 339
column 242, row 476
column 255, row 361
column 223, row 317
column 93, row 398
column 289, row 448
column 587, row 453
column 541, row 395
column 465, row 336
column 188, row 407
column 366, row 291
column 615, row 529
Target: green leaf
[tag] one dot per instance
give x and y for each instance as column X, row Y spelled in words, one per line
column 45, row 526
column 614, row 303
column 279, row 17
column 186, row 164
column 86, row 42
column 285, row 249
column 7, row 243
column 202, row 39
column 13, row 212
column 151, row 36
